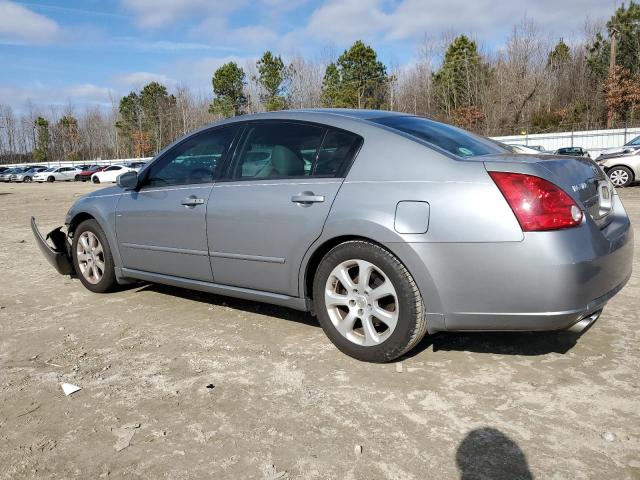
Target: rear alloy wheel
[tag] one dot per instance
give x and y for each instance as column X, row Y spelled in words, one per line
column 92, row 257
column 26, row 179
column 620, row 176
column 367, row 302
column 95, row 179
column 51, row 178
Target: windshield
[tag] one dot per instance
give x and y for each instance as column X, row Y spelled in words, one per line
column 454, row 140
column 50, row 169
column 635, row 141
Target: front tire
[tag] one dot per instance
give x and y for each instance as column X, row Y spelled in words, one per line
column 51, row 179
column 92, row 257
column 77, row 178
column 95, row 179
column 367, row 302
column 620, row 176
column 27, row 180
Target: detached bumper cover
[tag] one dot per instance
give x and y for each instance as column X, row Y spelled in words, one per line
column 60, row 255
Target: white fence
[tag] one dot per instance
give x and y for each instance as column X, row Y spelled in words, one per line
column 118, row 161
column 593, row 140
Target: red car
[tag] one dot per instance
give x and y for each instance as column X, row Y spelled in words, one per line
column 85, row 175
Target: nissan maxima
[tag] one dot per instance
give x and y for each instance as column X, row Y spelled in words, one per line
column 386, row 226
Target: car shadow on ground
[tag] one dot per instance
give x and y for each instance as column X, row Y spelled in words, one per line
column 489, row 453
column 235, row 303
column 501, row 343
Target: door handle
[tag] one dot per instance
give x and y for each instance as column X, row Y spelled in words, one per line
column 192, row 201
column 307, row 198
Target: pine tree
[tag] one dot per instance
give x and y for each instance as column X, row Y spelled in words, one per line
column 228, row 86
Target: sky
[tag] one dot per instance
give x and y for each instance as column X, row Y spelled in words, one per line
column 87, row 52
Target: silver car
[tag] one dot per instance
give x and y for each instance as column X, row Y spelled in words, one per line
column 623, row 169
column 385, row 226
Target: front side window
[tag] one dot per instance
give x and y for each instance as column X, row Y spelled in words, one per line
column 110, row 169
column 196, row 160
column 635, row 141
column 278, row 150
column 454, row 140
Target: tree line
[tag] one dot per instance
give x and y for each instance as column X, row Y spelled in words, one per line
column 528, row 86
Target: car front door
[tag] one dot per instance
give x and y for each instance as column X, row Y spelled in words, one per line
column 273, row 202
column 161, row 225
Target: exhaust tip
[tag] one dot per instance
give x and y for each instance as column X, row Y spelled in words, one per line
column 585, row 324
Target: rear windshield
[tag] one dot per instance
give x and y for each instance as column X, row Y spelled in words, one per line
column 453, row 140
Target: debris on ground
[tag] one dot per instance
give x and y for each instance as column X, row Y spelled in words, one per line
column 399, row 367
column 125, row 434
column 609, row 436
column 211, row 386
column 69, row 388
column 271, row 473
column 358, row 449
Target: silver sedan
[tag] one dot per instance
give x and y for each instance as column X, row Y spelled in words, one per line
column 385, row 226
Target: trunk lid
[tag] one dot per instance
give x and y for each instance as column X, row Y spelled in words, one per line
column 580, row 177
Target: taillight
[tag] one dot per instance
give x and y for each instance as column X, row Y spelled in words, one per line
column 537, row 203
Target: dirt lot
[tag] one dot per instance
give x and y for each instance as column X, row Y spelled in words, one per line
column 285, row 403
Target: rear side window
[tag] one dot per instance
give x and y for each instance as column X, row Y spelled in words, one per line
column 278, row 150
column 338, row 148
column 454, row 140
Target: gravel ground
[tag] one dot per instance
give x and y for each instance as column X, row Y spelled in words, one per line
column 179, row 384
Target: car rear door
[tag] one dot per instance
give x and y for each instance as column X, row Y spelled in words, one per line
column 161, row 226
column 273, row 203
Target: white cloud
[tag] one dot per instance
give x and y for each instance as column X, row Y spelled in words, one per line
column 158, row 13
column 41, row 95
column 20, row 25
column 343, row 21
column 140, row 79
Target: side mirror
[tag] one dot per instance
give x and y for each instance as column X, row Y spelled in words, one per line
column 128, row 180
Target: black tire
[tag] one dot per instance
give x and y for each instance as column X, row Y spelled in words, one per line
column 77, row 178
column 26, row 179
column 411, row 324
column 621, row 172
column 95, row 179
column 108, row 281
column 51, row 179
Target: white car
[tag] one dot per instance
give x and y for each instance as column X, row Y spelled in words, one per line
column 61, row 174
column 110, row 174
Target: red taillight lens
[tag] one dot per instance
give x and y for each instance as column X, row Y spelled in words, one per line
column 537, row 203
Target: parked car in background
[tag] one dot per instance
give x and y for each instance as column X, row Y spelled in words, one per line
column 2, row 169
column 110, row 174
column 573, row 151
column 85, row 174
column 630, row 147
column 136, row 165
column 523, row 149
column 26, row 175
column 622, row 169
column 5, row 176
column 385, row 225
column 61, row 174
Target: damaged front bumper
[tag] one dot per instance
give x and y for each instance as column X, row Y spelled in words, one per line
column 60, row 254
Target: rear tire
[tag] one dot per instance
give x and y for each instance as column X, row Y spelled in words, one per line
column 27, row 180
column 77, row 178
column 95, row 180
column 51, row 179
column 369, row 326
column 620, row 176
column 92, row 258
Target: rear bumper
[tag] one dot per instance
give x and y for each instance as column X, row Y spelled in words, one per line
column 548, row 281
column 59, row 256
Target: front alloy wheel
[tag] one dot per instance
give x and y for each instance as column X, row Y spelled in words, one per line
column 92, row 257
